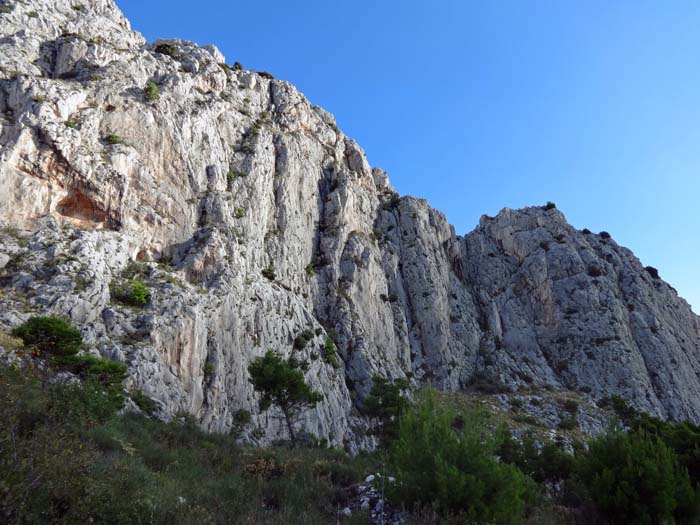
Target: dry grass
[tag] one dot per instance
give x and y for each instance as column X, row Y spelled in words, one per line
column 9, row 342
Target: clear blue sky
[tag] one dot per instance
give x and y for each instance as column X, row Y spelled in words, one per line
column 478, row 105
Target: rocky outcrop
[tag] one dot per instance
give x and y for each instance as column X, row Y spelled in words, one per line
column 252, row 218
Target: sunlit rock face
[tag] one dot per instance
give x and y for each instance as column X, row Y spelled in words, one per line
column 254, row 219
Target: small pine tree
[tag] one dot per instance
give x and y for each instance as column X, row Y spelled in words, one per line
column 151, row 92
column 52, row 335
column 282, row 384
column 455, row 472
column 633, row 477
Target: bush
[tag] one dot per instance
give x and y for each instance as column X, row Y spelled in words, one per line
column 169, row 50
column 386, row 403
column 330, row 355
column 51, row 335
column 151, row 92
column 604, row 235
column 301, row 340
column 635, row 478
column 145, row 403
column 568, row 423
column 134, row 294
column 550, row 206
column 571, row 406
column 653, row 272
column 586, row 231
column 109, row 375
column 455, row 473
column 548, row 463
column 114, row 139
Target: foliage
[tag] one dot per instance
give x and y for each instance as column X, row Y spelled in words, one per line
column 550, row 206
column 114, row 139
column 653, row 272
column 301, row 340
column 309, row 269
column 107, row 374
column 145, row 403
column 64, row 459
column 386, row 403
column 51, row 335
column 281, row 384
column 151, row 92
column 635, row 478
column 170, row 50
column 546, row 463
column 134, row 293
column 453, row 472
column 330, row 355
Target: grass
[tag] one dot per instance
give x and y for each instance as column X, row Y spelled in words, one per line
column 64, row 460
column 9, row 342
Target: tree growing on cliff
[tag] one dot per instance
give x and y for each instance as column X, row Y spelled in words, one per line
column 282, row 384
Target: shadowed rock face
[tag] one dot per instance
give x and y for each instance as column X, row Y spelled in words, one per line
column 272, row 222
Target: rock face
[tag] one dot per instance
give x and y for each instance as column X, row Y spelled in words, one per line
column 253, row 219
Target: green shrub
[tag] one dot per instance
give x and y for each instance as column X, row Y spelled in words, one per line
column 107, row 374
column 386, row 403
column 114, row 139
column 309, row 269
column 330, row 355
column 134, row 293
column 151, row 92
column 51, row 335
column 145, row 403
column 635, row 478
column 240, row 213
column 455, row 472
column 301, row 340
column 550, row 206
column 72, row 124
column 571, row 406
column 5, row 9
column 139, row 293
column 548, row 463
column 568, row 423
column 169, row 50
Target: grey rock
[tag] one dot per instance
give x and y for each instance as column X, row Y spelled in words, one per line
column 230, row 173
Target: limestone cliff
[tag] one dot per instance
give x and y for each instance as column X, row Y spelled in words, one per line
column 256, row 220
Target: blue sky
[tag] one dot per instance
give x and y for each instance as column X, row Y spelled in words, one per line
column 477, row 105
